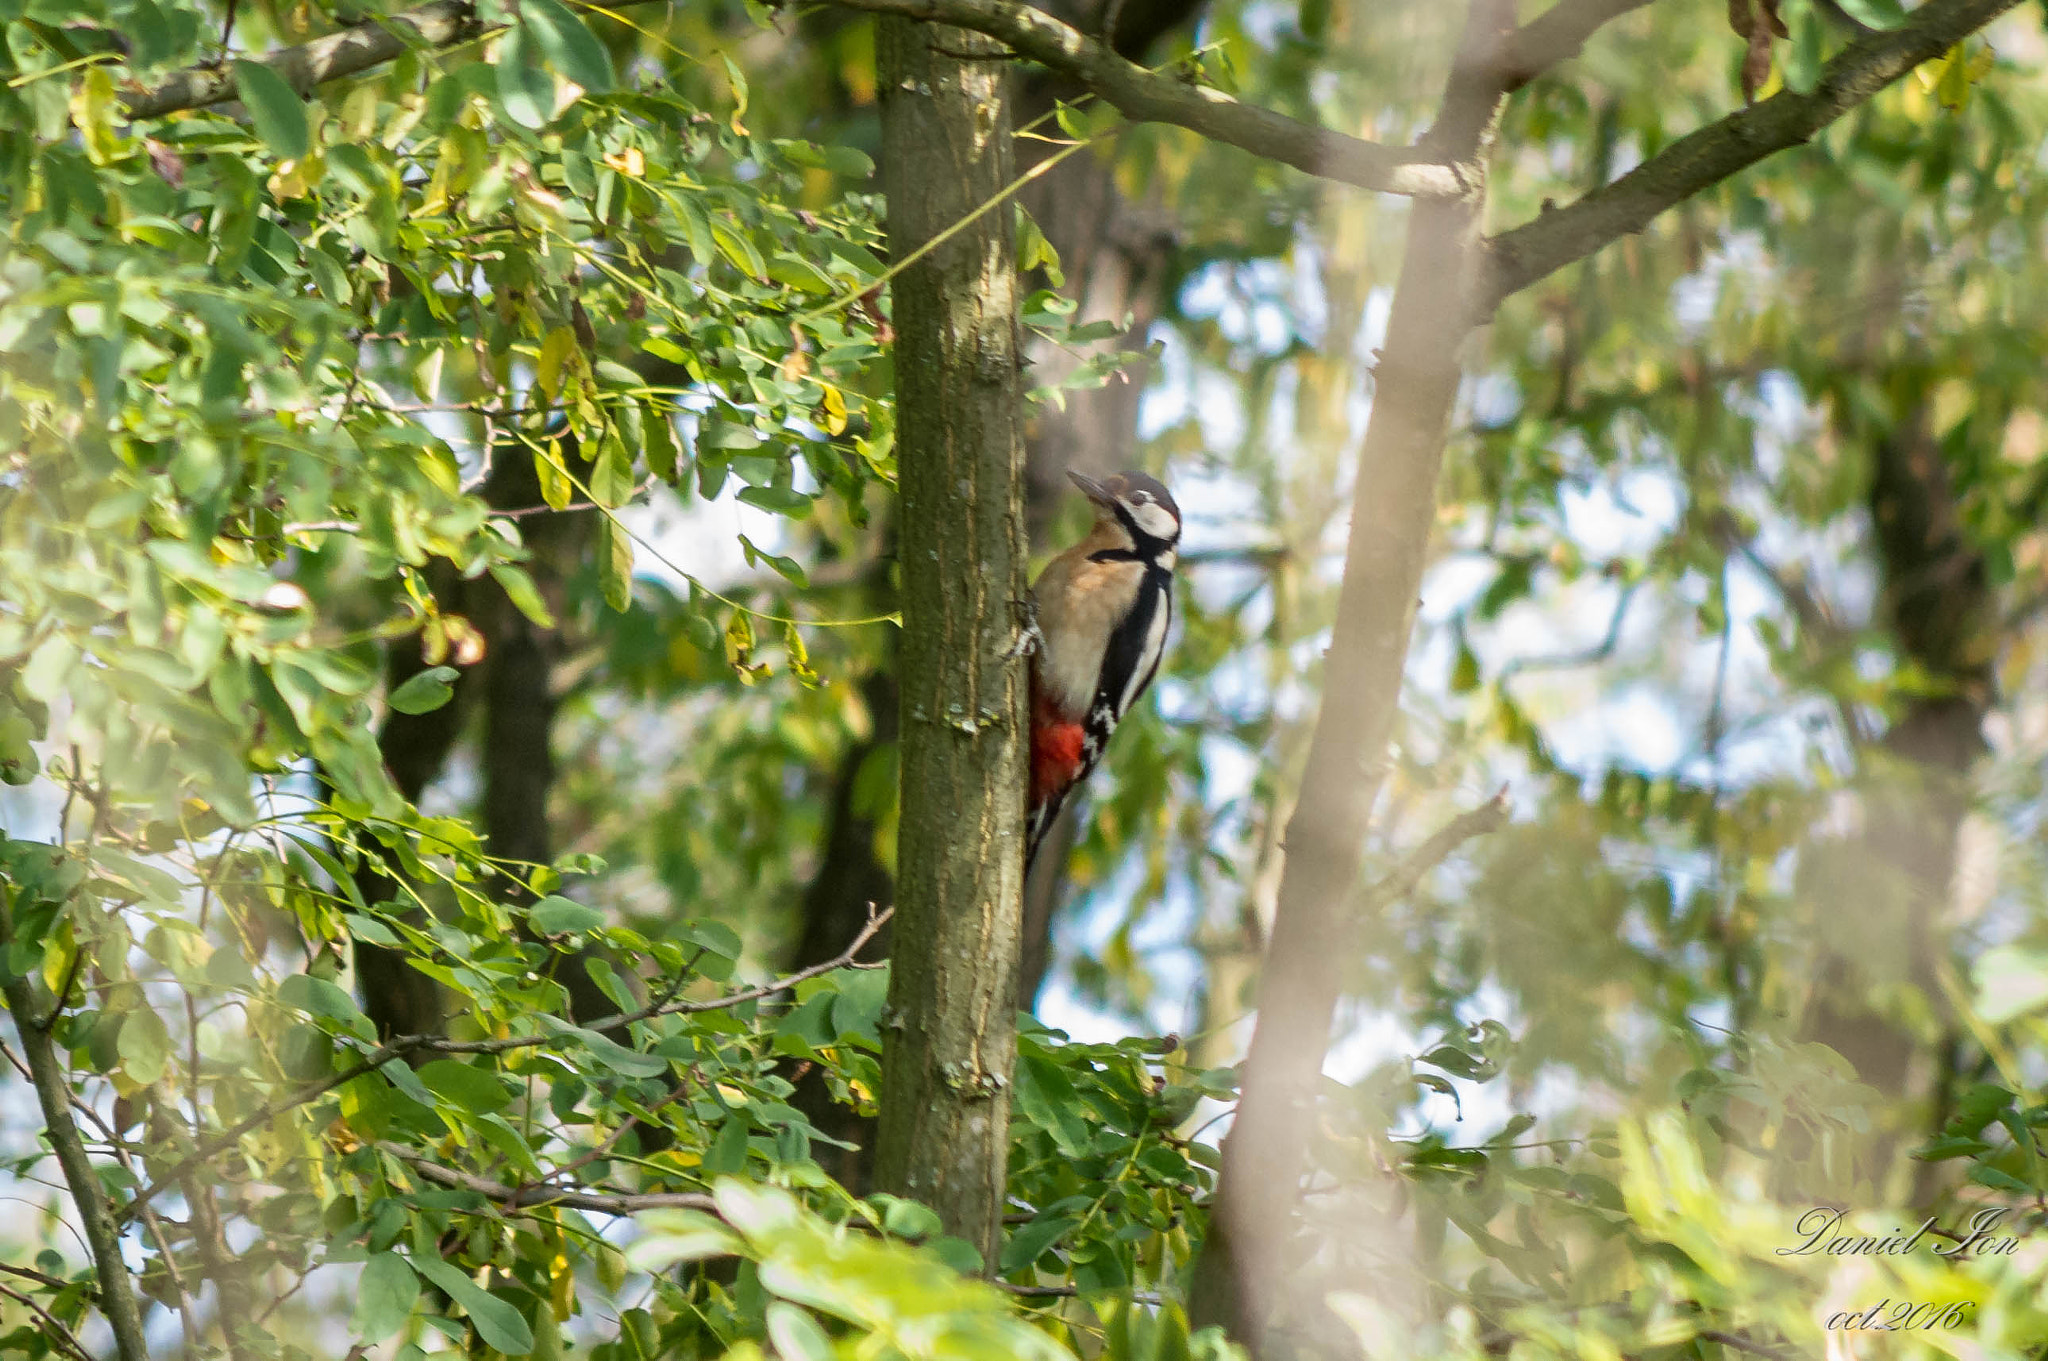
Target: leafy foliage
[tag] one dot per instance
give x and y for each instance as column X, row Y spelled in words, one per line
column 259, row 365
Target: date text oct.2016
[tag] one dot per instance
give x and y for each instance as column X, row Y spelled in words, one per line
column 1894, row 1316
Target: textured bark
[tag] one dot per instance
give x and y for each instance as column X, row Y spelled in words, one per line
column 398, row 998
column 946, row 137
column 1239, row 1277
column 513, row 687
column 117, row 1302
column 1725, row 147
column 519, row 702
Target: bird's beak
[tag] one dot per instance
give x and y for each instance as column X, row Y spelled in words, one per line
column 1090, row 488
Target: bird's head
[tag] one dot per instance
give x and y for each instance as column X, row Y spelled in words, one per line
column 1138, row 508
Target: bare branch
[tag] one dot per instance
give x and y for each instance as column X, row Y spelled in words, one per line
column 1070, row 1292
column 1490, row 816
column 65, row 1339
column 444, row 23
column 517, row 1197
column 1557, row 35
column 1147, row 96
column 1704, row 158
column 53, row 1093
column 42, row 1278
column 1140, row 94
column 411, row 1044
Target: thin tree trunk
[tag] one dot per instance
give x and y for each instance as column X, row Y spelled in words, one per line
column 398, row 998
column 946, row 139
column 117, row 1302
column 1239, row 1275
column 1896, row 875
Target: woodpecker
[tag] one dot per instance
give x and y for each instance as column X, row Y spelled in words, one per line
column 1102, row 610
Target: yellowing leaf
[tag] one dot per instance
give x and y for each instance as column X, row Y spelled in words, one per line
column 92, row 110
column 554, row 476
column 556, row 349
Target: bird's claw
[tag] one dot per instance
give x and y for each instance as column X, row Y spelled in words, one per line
column 1029, row 639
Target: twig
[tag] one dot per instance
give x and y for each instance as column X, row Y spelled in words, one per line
column 1070, row 1292
column 53, row 1329
column 1490, row 816
column 1739, row 1342
column 411, row 1044
column 518, row 1197
column 444, row 23
column 1599, row 652
column 40, row 1278
column 1147, row 96
column 1704, row 158
column 117, row 1293
column 1557, row 35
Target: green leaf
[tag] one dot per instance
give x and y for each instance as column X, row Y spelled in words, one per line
column 1876, row 13
column 779, row 500
column 617, row 1057
column 796, row 1335
column 275, row 108
column 660, row 448
column 498, row 1323
column 385, row 1296
column 728, row 1151
column 143, row 1045
column 470, row 1089
column 568, row 44
column 611, row 481
column 555, row 915
column 615, row 565
column 1031, row 1241
column 322, row 997
column 679, row 1236
column 305, row 1052
column 525, row 90
column 425, row 691
column 523, row 594
column 739, row 251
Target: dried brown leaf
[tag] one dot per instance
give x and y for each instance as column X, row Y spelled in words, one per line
column 1756, row 63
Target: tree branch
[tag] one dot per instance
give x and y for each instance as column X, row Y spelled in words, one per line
column 1140, row 94
column 1557, row 35
column 1490, row 816
column 411, row 1044
column 116, row 1293
column 1518, row 258
column 443, row 23
column 65, row 1339
column 518, row 1197
column 1147, row 96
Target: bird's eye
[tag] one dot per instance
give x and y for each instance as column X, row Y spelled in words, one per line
column 1143, row 498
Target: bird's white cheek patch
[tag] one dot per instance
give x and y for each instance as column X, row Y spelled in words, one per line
column 1155, row 520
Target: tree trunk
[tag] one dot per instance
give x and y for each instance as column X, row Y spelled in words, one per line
column 946, row 138
column 1241, row 1270
column 513, row 686
column 398, row 998
column 1895, row 877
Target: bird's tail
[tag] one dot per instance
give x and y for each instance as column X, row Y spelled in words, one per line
column 1037, row 823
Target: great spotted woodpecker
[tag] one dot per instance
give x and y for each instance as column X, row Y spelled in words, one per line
column 1103, row 608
